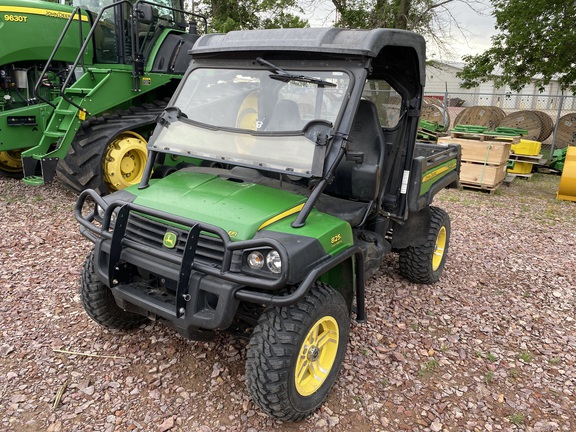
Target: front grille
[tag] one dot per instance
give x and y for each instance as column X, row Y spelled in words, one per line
column 210, row 249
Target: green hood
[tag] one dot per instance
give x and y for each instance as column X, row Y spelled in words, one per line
column 238, row 208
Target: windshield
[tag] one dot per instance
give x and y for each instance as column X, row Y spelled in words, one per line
column 253, row 100
column 251, row 117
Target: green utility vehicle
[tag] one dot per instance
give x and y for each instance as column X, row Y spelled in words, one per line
column 323, row 178
column 89, row 116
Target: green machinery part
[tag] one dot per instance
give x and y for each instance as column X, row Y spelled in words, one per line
column 139, row 54
column 28, row 31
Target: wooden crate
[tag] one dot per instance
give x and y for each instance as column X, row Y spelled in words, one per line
column 488, row 152
column 483, row 175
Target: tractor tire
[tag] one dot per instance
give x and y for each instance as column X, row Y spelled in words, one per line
column 424, row 264
column 11, row 164
column 99, row 302
column 109, row 152
column 295, row 354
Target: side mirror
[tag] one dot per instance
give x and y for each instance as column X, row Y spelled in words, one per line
column 146, row 14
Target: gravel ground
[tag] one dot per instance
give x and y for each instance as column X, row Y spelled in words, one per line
column 491, row 347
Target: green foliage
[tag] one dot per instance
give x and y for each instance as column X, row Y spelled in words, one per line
column 525, row 356
column 429, row 367
column 536, row 40
column 517, row 418
column 225, row 16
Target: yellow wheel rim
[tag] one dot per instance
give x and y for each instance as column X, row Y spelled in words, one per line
column 439, row 249
column 317, row 355
column 11, row 161
column 124, row 161
column 248, row 112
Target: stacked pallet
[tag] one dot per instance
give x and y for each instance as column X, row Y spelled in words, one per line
column 485, row 156
column 430, row 131
column 523, row 157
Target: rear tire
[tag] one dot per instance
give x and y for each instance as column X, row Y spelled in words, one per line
column 295, row 354
column 99, row 302
column 424, row 263
column 112, row 136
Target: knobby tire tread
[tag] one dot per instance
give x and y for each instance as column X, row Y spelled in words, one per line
column 416, row 261
column 99, row 302
column 271, row 350
column 81, row 168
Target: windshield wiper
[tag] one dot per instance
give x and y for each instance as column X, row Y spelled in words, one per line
column 281, row 75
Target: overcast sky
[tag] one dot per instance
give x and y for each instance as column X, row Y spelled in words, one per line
column 479, row 26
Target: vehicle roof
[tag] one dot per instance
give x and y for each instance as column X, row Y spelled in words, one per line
column 334, row 41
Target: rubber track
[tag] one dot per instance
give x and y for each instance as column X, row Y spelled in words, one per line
column 99, row 302
column 81, row 168
column 272, row 347
column 416, row 261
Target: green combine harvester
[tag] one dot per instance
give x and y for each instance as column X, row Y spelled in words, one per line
column 83, row 104
column 29, row 31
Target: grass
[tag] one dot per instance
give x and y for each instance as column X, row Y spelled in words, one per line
column 517, row 418
column 525, row 356
column 430, row 367
column 489, row 377
column 491, row 357
column 513, row 373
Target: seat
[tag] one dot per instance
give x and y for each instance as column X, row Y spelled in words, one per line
column 286, row 117
column 361, row 181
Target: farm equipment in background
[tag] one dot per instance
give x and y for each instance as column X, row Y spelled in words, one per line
column 29, row 31
column 95, row 135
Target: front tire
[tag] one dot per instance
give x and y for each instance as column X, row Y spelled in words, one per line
column 99, row 302
column 296, row 352
column 424, row 264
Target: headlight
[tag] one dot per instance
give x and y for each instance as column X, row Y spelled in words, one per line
column 255, row 260
column 100, row 215
column 274, row 262
column 263, row 261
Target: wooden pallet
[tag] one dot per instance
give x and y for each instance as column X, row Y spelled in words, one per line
column 514, row 175
column 430, row 135
column 482, row 188
column 539, row 159
column 486, row 137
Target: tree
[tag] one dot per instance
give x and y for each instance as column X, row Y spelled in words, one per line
column 225, row 15
column 431, row 18
column 536, row 41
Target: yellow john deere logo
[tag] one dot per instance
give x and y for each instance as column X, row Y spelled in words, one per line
column 170, row 239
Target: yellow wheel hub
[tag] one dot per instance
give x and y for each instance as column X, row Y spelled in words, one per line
column 439, row 249
column 248, row 112
column 11, row 161
column 317, row 355
column 124, row 161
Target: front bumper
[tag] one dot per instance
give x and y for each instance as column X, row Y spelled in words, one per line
column 203, row 270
